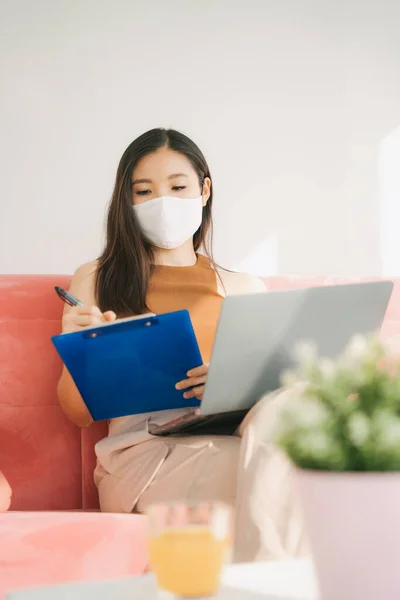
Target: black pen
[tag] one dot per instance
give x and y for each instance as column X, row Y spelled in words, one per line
column 67, row 297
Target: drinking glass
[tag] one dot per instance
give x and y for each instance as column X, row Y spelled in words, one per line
column 188, row 546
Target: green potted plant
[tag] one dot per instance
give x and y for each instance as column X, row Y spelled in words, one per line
column 342, row 432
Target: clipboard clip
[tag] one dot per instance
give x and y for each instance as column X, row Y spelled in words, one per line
column 121, row 325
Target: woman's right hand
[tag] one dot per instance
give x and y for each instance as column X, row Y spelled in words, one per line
column 79, row 317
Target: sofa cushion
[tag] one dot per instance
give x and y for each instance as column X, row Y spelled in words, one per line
column 40, row 450
column 41, row 454
column 47, row 548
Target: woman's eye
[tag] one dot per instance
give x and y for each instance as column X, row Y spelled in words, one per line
column 143, row 192
column 179, row 188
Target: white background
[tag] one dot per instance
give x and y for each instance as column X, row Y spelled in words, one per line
column 295, row 103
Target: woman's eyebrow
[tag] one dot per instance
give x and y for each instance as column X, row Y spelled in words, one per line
column 141, row 181
column 173, row 176
column 177, row 175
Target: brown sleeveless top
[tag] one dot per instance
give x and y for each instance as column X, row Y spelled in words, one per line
column 194, row 289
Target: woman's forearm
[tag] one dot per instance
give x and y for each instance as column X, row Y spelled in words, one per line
column 71, row 401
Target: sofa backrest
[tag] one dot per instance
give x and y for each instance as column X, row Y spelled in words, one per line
column 391, row 324
column 47, row 460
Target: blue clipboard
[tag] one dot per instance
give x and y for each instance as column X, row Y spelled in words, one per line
column 131, row 366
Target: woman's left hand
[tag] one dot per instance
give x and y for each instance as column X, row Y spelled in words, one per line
column 196, row 380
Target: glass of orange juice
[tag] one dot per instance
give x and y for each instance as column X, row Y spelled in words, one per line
column 188, row 546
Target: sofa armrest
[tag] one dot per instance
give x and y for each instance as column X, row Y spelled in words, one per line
column 5, row 493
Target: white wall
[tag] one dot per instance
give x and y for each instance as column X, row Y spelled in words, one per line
column 289, row 100
column 389, row 179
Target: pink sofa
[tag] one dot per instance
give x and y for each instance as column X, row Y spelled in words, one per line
column 49, row 462
column 43, row 548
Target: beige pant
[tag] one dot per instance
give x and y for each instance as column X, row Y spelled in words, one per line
column 247, row 471
column 196, row 468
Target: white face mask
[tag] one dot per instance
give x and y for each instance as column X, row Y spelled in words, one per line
column 169, row 222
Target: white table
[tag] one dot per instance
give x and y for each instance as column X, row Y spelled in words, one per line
column 286, row 580
column 292, row 580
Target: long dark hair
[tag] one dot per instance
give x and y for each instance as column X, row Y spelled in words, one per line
column 126, row 264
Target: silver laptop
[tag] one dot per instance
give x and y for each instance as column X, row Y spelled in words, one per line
column 254, row 343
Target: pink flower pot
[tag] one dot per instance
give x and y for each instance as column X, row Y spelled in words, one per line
column 353, row 522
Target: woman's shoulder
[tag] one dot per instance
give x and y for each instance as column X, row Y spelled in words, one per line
column 86, row 270
column 83, row 282
column 241, row 283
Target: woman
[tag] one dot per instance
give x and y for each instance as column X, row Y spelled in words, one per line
column 159, row 218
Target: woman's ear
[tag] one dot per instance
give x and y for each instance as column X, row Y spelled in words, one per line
column 206, row 190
